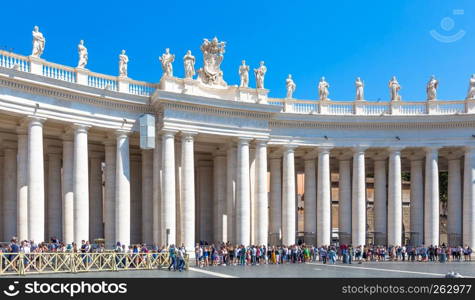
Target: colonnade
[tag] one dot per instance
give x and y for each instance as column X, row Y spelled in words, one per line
column 183, row 200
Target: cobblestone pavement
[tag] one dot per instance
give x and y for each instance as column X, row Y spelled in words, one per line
column 309, row 270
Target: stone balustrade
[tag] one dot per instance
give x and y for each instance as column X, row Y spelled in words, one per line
column 42, row 67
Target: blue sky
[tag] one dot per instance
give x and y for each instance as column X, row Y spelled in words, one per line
column 308, row 39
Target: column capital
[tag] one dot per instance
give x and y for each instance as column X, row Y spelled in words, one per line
column 243, row 139
column 310, row 154
column 469, row 148
column 395, row 149
column 261, row 141
column 359, row 149
column 289, row 147
column 324, row 149
column 109, row 141
column 34, row 120
column 80, row 127
column 168, row 132
column 53, row 150
column 121, row 133
column 22, row 129
column 219, row 151
column 188, row 134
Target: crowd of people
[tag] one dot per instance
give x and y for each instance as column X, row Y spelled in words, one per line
column 226, row 254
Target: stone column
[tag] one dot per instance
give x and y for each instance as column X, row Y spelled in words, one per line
column 188, row 190
column 22, row 185
column 323, row 198
column 168, row 212
column 231, row 155
column 135, row 198
column 275, row 210
column 1, row 195
column 54, row 206
column 68, row 189
column 310, row 200
column 178, row 201
column 81, row 184
column 417, row 202
column 122, row 188
column 394, row 198
column 9, row 206
column 431, row 199
column 358, row 205
column 468, row 226
column 243, row 200
column 205, row 190
column 454, row 203
column 147, row 196
column 109, row 192
column 96, row 227
column 219, row 196
column 36, row 179
column 262, row 201
column 157, row 188
column 380, row 202
column 288, row 197
column 344, row 199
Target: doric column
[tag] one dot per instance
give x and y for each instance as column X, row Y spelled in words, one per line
column 36, row 180
column 96, row 227
column 168, row 212
column 81, row 184
column 454, row 202
column 157, row 188
column 68, row 189
column 380, row 201
column 178, row 201
column 394, row 198
column 344, row 201
column 109, row 192
column 288, row 197
column 431, row 199
column 275, row 208
column 22, row 185
column 358, row 203
column 205, row 191
column 135, row 177
column 417, row 202
column 310, row 200
column 122, row 188
column 262, row 202
column 9, row 206
column 188, row 190
column 1, row 194
column 54, row 206
column 468, row 226
column 243, row 200
column 231, row 155
column 323, row 198
column 219, row 196
column 147, row 196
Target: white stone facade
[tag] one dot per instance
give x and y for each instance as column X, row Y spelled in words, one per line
column 74, row 133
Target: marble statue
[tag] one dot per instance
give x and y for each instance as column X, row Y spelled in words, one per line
column 359, row 89
column 189, row 61
column 244, row 74
column 431, row 88
column 38, row 42
column 167, row 59
column 123, row 61
column 471, row 88
column 291, row 86
column 211, row 73
column 394, row 88
column 260, row 74
column 82, row 51
column 323, row 89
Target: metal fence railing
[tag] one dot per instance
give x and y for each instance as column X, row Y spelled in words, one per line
column 60, row 262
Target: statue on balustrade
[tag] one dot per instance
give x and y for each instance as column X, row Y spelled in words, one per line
column 244, row 74
column 189, row 61
column 167, row 59
column 260, row 74
column 359, row 89
column 291, row 86
column 82, row 50
column 394, row 88
column 431, row 88
column 123, row 61
column 471, row 88
column 323, row 87
column 211, row 73
column 38, row 42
